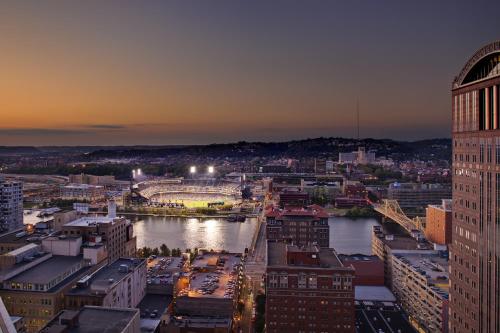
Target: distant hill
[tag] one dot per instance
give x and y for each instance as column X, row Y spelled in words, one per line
column 318, row 147
column 18, row 150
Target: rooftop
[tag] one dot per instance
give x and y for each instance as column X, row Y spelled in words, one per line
column 214, row 275
column 92, row 319
column 105, row 277
column 400, row 241
column 201, row 322
column 20, row 236
column 446, row 205
column 314, row 211
column 373, row 293
column 432, row 266
column 358, row 257
column 82, row 186
column 48, row 270
column 277, row 255
column 90, row 220
column 161, row 270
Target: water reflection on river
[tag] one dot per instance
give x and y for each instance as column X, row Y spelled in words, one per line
column 212, row 233
column 346, row 235
column 351, row 236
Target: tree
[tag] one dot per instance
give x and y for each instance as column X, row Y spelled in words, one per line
column 164, row 250
column 144, row 252
column 319, row 196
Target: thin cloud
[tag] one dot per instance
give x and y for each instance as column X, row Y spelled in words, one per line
column 40, row 132
column 105, row 126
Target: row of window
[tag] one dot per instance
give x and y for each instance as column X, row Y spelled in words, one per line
column 311, row 282
column 477, row 110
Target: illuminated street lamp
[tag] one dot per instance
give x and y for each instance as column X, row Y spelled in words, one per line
column 211, row 169
column 192, row 169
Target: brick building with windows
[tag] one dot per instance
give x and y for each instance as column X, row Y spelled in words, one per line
column 475, row 249
column 298, row 225
column 308, row 289
column 438, row 223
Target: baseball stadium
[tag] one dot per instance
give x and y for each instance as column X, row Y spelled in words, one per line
column 189, row 193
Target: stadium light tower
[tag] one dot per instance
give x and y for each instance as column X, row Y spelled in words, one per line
column 192, row 169
column 211, row 169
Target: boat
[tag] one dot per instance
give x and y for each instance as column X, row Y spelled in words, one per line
column 232, row 218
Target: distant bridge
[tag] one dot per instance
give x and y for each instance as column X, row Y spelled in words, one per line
column 392, row 210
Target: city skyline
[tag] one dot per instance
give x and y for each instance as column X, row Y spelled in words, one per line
column 250, row 166
column 172, row 73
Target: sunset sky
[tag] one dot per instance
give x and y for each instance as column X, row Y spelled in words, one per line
column 195, row 72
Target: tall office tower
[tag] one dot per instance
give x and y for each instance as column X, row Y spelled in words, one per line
column 11, row 205
column 475, row 250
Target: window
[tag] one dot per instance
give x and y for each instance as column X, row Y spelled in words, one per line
column 313, row 282
column 482, row 110
column 273, row 281
column 302, row 280
column 284, row 281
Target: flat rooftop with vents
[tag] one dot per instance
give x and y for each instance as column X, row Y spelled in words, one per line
column 94, row 319
column 90, row 220
column 281, row 254
column 48, row 274
column 106, row 277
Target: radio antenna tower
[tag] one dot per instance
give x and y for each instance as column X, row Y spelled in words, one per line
column 357, row 117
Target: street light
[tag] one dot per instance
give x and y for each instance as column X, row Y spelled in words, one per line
column 192, row 169
column 211, row 169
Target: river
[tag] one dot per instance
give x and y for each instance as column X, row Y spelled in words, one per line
column 346, row 235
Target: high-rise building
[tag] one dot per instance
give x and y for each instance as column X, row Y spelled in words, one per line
column 475, row 250
column 11, row 205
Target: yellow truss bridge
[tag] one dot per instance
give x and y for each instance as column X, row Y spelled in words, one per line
column 392, row 210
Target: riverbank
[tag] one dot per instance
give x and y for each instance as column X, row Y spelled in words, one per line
column 175, row 215
column 180, row 213
column 354, row 212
